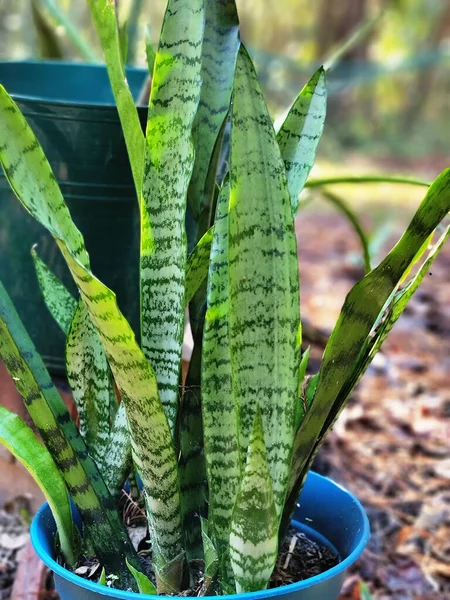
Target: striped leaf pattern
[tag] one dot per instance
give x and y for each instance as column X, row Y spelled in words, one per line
column 103, row 526
column 168, row 162
column 117, row 463
column 300, row 133
column 218, row 409
column 361, row 311
column 191, row 463
column 264, row 320
column 23, row 444
column 59, row 301
column 34, row 183
column 298, row 139
column 220, row 47
column 104, row 18
column 254, row 528
column 91, row 383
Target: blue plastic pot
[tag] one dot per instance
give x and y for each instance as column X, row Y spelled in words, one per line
column 326, row 512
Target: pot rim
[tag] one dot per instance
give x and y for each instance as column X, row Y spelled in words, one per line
column 63, row 64
column 363, row 534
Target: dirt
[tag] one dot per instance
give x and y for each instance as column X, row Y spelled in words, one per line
column 13, row 537
column 301, row 558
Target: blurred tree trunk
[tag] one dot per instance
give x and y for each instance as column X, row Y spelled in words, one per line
column 422, row 87
column 336, row 19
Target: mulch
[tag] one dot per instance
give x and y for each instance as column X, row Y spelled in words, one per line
column 13, row 538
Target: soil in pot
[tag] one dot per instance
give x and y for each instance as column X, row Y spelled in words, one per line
column 300, row 558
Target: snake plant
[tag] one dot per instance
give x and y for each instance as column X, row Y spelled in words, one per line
column 222, row 455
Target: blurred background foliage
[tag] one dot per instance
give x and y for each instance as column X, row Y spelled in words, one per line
column 389, row 97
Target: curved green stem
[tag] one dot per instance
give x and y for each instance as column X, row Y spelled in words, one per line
column 356, row 224
column 320, row 181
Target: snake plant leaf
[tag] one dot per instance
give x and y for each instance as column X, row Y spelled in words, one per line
column 401, row 299
column 102, row 578
column 264, row 319
column 145, row 586
column 362, row 308
column 117, row 462
column 91, row 383
column 173, row 104
column 211, row 557
column 254, row 528
column 297, row 138
column 31, row 178
column 191, row 462
column 220, row 47
column 218, row 409
column 59, row 301
column 104, row 528
column 23, row 444
column 385, row 321
column 104, row 18
column 300, row 133
column 197, row 265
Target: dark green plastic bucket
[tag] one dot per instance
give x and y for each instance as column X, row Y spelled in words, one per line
column 70, row 108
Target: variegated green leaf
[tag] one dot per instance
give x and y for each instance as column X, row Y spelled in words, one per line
column 264, row 320
column 361, row 311
column 58, row 299
column 218, row 409
column 31, row 177
column 220, row 47
column 117, row 463
column 254, row 527
column 91, row 383
column 384, row 323
column 169, row 158
column 300, row 133
column 104, row 18
column 103, row 527
column 191, row 463
column 399, row 302
column 21, row 441
column 197, row 265
column 297, row 138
